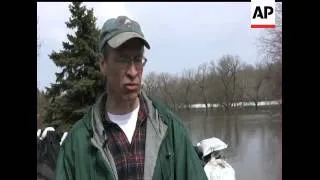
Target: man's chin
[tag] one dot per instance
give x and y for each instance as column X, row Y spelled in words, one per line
column 130, row 96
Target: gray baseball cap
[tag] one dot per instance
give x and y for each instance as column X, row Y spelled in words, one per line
column 116, row 31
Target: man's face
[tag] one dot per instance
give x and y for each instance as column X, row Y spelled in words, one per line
column 123, row 68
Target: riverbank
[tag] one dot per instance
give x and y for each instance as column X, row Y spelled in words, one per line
column 271, row 112
column 272, row 108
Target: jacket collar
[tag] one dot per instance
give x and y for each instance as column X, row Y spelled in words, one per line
column 96, row 116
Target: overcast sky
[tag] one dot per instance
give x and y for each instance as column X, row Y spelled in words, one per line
column 181, row 35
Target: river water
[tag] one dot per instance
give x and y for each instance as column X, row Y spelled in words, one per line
column 254, row 141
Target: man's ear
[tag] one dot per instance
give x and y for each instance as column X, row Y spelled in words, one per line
column 103, row 65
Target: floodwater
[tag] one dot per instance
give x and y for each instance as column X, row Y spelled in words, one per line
column 254, row 141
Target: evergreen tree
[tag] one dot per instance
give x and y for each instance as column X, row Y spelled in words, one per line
column 41, row 105
column 79, row 82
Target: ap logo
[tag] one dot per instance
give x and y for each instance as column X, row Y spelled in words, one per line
column 263, row 14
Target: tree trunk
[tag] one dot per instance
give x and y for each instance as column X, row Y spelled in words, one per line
column 256, row 105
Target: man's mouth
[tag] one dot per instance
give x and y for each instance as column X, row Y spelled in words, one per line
column 131, row 86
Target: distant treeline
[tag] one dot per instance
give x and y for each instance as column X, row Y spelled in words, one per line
column 226, row 82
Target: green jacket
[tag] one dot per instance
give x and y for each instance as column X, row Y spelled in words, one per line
column 169, row 152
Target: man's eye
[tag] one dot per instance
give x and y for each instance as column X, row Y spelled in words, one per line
column 137, row 59
column 123, row 59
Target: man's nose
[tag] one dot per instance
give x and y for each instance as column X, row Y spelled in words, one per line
column 132, row 69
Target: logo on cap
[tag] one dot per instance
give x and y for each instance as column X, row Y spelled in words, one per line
column 127, row 21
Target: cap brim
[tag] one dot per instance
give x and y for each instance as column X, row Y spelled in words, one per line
column 121, row 38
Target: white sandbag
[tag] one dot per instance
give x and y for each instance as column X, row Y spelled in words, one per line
column 209, row 145
column 44, row 134
column 218, row 169
column 38, row 133
column 63, row 137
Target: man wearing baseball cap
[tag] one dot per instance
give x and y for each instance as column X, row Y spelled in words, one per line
column 126, row 134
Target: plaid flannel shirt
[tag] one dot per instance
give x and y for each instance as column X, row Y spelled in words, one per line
column 129, row 158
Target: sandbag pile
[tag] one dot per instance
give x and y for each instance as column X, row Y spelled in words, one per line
column 48, row 146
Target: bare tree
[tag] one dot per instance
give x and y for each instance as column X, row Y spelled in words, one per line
column 151, row 84
column 215, row 87
column 227, row 71
column 243, row 83
column 270, row 43
column 202, row 81
column 275, row 78
column 167, row 84
column 186, row 87
column 257, row 77
column 259, row 80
